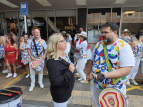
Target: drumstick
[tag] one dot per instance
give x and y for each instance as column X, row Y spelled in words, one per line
column 18, row 92
column 9, row 94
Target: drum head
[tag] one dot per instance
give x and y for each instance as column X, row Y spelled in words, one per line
column 35, row 63
column 5, row 99
column 112, row 97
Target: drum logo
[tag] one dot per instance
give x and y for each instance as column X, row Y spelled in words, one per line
column 111, row 101
column 18, row 105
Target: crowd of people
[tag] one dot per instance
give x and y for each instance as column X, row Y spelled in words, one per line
column 113, row 58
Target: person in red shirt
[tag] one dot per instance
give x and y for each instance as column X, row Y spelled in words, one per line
column 101, row 38
column 11, row 55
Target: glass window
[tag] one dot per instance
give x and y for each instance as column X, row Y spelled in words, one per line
column 133, row 21
column 9, row 20
column 95, row 18
column 38, row 19
column 116, row 16
column 66, row 20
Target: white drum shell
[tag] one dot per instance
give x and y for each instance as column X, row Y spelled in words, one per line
column 14, row 103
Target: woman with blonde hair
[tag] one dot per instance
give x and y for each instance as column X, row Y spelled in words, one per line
column 60, row 70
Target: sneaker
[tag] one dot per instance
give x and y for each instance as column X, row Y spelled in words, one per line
column 9, row 75
column 80, row 79
column 19, row 66
column 77, row 74
column 41, row 85
column 15, row 75
column 5, row 71
column 27, row 75
column 134, row 82
column 84, row 81
column 128, row 82
column 31, row 87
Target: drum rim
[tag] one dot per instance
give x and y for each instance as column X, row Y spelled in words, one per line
column 14, row 98
column 112, row 89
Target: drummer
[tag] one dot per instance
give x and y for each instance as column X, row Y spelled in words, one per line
column 120, row 57
column 41, row 45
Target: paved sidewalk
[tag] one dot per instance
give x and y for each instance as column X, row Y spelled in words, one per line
column 81, row 95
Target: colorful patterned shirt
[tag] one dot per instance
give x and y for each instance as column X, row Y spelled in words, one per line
column 120, row 55
column 2, row 51
column 66, row 58
column 137, row 50
column 82, row 49
column 41, row 45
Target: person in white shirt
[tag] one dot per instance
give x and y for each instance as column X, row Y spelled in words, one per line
column 80, row 29
column 120, row 57
column 137, row 47
column 66, row 36
column 83, row 57
column 41, row 46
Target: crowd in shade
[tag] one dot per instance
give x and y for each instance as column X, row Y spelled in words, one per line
column 112, row 63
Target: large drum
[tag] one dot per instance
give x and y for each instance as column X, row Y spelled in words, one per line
column 14, row 100
column 37, row 65
column 112, row 97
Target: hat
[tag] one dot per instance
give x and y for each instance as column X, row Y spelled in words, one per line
column 63, row 31
column 125, row 30
column 83, row 34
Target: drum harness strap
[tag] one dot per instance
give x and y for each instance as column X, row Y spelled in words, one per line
column 109, row 67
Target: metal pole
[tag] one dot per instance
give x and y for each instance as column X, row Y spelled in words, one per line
column 47, row 24
column 25, row 22
column 55, row 17
column 111, row 15
column 121, row 21
column 19, row 31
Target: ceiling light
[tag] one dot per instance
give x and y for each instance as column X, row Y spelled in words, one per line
column 80, row 2
column 44, row 2
column 129, row 12
column 8, row 3
column 120, row 1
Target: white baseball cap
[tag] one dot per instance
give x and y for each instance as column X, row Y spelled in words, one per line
column 63, row 31
column 125, row 30
column 83, row 34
